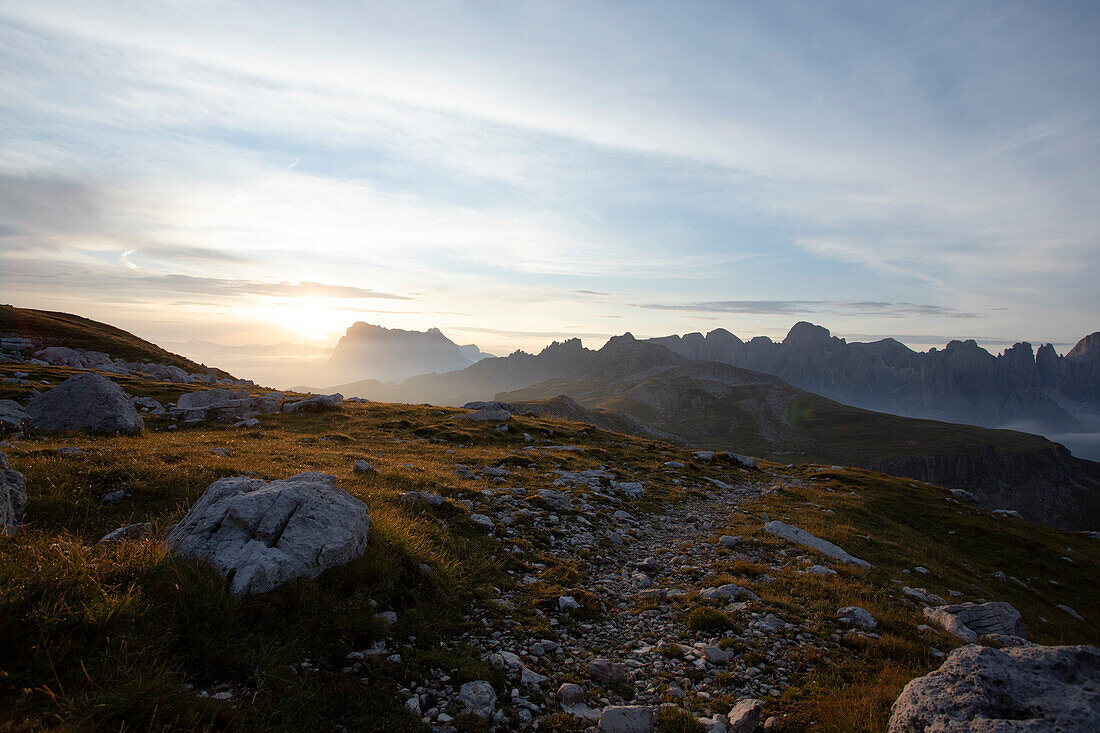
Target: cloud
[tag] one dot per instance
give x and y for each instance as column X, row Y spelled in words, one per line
column 799, row 307
column 32, row 275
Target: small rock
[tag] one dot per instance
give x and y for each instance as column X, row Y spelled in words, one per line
column 478, row 697
column 857, row 617
column 627, row 719
column 138, row 531
column 745, row 715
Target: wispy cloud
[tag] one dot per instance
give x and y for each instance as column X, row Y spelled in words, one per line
column 806, row 307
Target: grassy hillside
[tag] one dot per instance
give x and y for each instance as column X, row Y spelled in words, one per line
column 777, row 420
column 113, row 637
column 76, row 332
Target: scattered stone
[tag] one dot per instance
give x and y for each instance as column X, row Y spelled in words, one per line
column 1071, row 612
column 114, row 497
column 729, row 541
column 1048, row 688
column 248, row 422
column 362, row 466
column 479, row 698
column 857, row 617
column 627, row 719
column 482, row 522
column 87, row 402
column 261, row 535
column 138, row 531
column 923, row 596
column 968, row 621
column 423, row 497
column 804, row 538
column 567, row 603
column 820, row 570
column 746, row 715
column 606, row 672
column 728, row 592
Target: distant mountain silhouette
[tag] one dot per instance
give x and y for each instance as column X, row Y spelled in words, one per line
column 961, row 383
column 367, row 351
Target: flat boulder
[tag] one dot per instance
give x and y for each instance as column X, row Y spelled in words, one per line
column 969, row 621
column 260, row 535
column 87, row 402
column 1035, row 688
column 316, row 403
column 223, row 405
column 13, row 497
column 804, row 538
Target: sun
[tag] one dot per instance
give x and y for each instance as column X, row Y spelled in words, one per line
column 310, row 318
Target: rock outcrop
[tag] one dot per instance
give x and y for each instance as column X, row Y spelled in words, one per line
column 261, row 535
column 804, row 538
column 87, row 402
column 1039, row 688
column 970, row 621
column 12, row 415
column 13, row 497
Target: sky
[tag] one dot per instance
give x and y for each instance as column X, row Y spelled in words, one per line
column 514, row 173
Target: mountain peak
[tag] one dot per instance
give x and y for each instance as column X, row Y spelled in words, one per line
column 1086, row 348
column 804, row 333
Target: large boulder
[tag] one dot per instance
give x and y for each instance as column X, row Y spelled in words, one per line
column 223, row 405
column 316, row 403
column 88, row 402
column 13, row 497
column 1035, row 688
column 261, row 535
column 12, row 415
column 969, row 621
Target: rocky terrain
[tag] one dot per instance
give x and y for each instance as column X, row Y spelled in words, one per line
column 175, row 554
column 501, row 571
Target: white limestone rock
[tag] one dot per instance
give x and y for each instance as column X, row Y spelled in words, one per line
column 87, row 402
column 317, row 403
column 745, row 715
column 478, row 697
column 222, row 405
column 1034, row 688
column 969, row 621
column 261, row 535
column 857, row 617
column 804, row 538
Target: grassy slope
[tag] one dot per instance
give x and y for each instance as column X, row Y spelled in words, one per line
column 76, row 332
column 100, row 637
column 804, row 426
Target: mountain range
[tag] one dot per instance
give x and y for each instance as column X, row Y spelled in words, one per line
column 712, row 404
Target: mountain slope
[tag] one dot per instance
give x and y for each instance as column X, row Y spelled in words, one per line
column 49, row 328
column 726, row 408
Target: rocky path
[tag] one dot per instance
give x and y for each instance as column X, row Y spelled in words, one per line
column 665, row 636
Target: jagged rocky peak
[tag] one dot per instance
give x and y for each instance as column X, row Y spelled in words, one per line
column 563, row 347
column 1087, row 349
column 620, row 341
